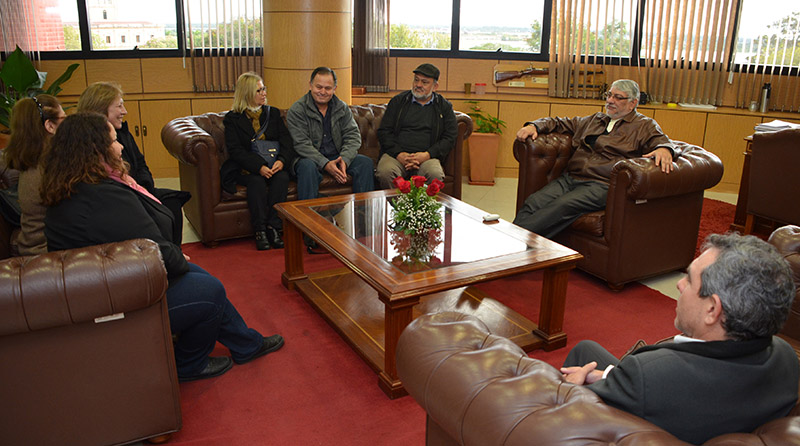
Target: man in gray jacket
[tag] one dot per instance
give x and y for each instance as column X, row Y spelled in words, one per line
column 326, row 139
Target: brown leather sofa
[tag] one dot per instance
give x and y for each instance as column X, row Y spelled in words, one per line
column 481, row 389
column 86, row 347
column 651, row 220
column 198, row 142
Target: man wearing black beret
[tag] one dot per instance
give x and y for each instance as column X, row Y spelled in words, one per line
column 417, row 132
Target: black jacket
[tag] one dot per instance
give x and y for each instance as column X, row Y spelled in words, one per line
column 112, row 212
column 443, row 138
column 699, row 390
column 131, row 153
column 238, row 133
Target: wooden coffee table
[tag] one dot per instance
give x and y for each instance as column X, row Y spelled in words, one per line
column 372, row 298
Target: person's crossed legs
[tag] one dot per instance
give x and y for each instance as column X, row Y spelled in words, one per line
column 552, row 208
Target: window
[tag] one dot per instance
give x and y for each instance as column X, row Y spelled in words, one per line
column 224, row 24
column 502, row 29
column 123, row 17
column 493, row 28
column 57, row 27
column 769, row 33
column 413, row 29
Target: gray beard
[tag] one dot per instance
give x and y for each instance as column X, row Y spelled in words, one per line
column 420, row 97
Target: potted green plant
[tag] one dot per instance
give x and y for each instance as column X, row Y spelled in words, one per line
column 22, row 80
column 483, row 145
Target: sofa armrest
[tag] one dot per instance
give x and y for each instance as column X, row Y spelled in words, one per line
column 79, row 285
column 187, row 141
column 695, row 170
column 483, row 389
column 541, row 160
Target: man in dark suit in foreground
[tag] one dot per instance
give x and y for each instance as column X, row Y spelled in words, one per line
column 727, row 372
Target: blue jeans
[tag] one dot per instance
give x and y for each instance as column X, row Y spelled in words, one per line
column 201, row 314
column 309, row 177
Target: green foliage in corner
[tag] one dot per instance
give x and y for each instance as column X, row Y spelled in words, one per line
column 22, row 80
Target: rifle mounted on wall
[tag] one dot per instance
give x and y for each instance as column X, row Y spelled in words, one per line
column 502, row 76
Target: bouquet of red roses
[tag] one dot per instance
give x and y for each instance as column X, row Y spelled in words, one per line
column 416, row 208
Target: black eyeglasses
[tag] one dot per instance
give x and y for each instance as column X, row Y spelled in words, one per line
column 616, row 97
column 41, row 110
column 261, row 90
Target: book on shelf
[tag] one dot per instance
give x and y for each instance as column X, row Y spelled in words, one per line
column 776, row 125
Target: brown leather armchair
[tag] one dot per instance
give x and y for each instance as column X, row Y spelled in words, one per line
column 198, row 142
column 774, row 178
column 482, row 389
column 651, row 220
column 86, row 347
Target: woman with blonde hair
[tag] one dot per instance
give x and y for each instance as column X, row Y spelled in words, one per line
column 249, row 125
column 33, row 121
column 106, row 98
column 92, row 200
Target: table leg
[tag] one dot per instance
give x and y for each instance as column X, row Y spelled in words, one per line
column 551, row 308
column 292, row 255
column 396, row 317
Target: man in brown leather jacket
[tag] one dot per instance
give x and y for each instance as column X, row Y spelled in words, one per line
column 600, row 140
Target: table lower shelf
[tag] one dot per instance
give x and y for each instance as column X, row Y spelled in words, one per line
column 354, row 310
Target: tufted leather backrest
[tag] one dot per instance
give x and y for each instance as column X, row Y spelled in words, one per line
column 786, row 240
column 368, row 118
column 75, row 286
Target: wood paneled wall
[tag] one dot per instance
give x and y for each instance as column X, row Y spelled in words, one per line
column 158, row 90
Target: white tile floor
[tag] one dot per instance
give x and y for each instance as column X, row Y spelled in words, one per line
column 498, row 199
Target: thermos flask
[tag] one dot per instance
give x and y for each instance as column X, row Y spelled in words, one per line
column 765, row 92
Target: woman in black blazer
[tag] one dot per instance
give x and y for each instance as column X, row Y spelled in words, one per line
column 106, row 98
column 91, row 200
column 265, row 185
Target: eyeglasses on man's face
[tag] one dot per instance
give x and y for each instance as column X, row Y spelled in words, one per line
column 617, row 97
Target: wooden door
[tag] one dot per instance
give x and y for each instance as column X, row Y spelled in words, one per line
column 154, row 116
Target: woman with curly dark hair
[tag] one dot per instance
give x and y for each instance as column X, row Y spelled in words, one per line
column 106, row 98
column 33, row 121
column 92, row 200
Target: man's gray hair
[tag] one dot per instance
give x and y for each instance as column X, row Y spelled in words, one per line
column 754, row 284
column 629, row 87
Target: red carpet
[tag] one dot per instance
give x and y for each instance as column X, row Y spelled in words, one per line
column 716, row 217
column 316, row 390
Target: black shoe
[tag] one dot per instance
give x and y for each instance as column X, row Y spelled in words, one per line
column 274, row 238
column 262, row 242
column 271, row 344
column 217, row 365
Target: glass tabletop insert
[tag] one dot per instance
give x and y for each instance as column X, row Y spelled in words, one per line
column 461, row 239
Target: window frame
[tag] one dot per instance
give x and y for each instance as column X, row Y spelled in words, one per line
column 455, row 38
column 90, row 54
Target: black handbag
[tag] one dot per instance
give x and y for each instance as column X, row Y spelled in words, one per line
column 267, row 149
